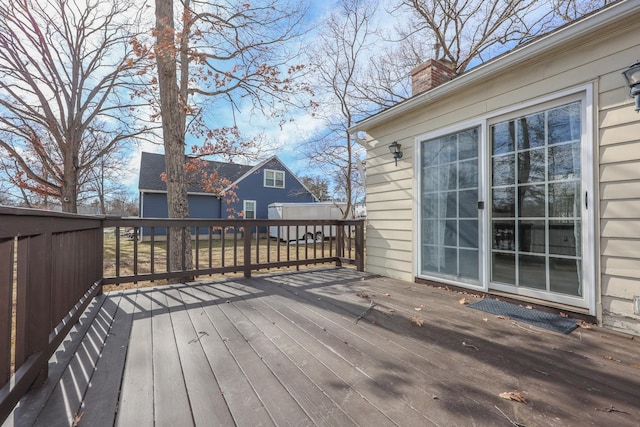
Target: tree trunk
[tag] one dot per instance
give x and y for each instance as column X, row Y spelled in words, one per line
column 69, row 188
column 101, row 189
column 173, row 129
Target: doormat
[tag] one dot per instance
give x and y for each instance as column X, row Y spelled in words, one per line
column 534, row 317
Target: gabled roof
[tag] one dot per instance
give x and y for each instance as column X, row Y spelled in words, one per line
column 152, row 166
column 602, row 19
column 263, row 164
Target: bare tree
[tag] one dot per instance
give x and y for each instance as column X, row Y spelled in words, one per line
column 102, row 181
column 122, row 202
column 63, row 67
column 570, row 10
column 474, row 31
column 318, row 186
column 461, row 32
column 26, row 192
column 213, row 51
column 386, row 76
column 343, row 47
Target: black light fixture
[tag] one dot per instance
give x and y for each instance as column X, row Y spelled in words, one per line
column 395, row 150
column 632, row 75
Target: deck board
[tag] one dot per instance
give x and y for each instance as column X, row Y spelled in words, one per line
column 343, row 359
column 244, row 405
column 282, row 406
column 171, row 403
column 205, row 398
column 101, row 399
column 264, row 337
column 294, row 343
column 581, row 354
column 136, row 401
column 504, row 365
column 64, row 404
column 285, row 349
column 373, row 354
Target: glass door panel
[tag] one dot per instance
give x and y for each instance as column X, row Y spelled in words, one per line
column 535, row 212
column 449, row 213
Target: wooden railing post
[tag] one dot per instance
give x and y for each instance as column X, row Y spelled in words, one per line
column 360, row 246
column 33, row 296
column 339, row 243
column 247, row 252
column 6, row 302
column 99, row 259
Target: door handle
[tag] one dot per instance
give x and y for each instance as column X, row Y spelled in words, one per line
column 586, row 200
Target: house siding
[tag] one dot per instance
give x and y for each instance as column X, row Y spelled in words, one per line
column 154, row 205
column 390, row 213
column 252, row 188
column 596, row 59
column 200, row 206
column 619, row 173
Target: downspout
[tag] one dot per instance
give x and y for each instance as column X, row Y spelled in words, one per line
column 362, row 142
column 359, row 140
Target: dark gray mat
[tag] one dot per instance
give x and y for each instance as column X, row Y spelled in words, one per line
column 534, row 317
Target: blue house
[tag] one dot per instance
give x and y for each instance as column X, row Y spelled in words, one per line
column 255, row 187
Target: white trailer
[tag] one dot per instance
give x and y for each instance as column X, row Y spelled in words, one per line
column 305, row 211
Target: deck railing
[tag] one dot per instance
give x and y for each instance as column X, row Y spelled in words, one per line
column 139, row 250
column 50, row 269
column 53, row 264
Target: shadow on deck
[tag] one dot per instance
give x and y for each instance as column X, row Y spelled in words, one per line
column 326, row 347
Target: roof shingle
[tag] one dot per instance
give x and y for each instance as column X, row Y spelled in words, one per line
column 152, row 166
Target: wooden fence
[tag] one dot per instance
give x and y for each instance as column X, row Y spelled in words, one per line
column 53, row 264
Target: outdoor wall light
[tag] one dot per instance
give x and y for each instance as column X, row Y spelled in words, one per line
column 395, row 150
column 632, row 75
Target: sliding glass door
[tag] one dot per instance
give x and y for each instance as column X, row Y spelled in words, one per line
column 505, row 206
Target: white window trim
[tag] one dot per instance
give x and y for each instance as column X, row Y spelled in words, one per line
column 275, row 172
column 590, row 261
column 244, row 208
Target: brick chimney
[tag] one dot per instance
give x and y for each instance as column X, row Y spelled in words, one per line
column 430, row 74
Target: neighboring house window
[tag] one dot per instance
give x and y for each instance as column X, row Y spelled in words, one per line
column 249, row 209
column 273, row 179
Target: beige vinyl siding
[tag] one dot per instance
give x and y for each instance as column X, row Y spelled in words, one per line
column 620, row 204
column 619, row 153
column 621, row 268
column 627, row 170
column 618, row 190
column 620, row 209
column 621, row 228
column 390, row 213
column 620, row 287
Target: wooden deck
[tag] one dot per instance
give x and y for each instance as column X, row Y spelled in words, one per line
column 308, row 348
